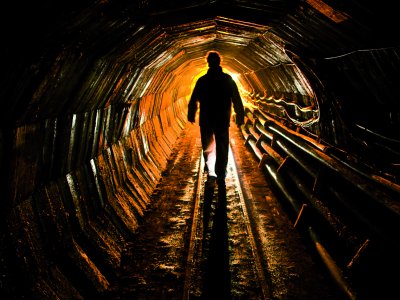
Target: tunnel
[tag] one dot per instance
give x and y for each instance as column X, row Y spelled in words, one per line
column 94, row 111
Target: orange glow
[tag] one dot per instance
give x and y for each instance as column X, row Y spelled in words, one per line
column 199, row 72
column 242, row 90
column 335, row 15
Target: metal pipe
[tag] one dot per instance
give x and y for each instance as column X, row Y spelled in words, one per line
column 333, row 269
column 373, row 191
column 377, row 219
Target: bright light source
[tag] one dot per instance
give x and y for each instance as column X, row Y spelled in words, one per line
column 235, row 77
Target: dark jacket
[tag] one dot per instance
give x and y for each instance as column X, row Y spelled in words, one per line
column 216, row 92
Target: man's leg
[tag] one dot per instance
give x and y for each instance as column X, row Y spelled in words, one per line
column 222, row 147
column 209, row 149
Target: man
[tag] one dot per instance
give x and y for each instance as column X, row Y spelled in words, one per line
column 215, row 92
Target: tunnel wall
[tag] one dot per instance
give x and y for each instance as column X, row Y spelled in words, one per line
column 362, row 85
column 285, row 94
column 347, row 101
column 87, row 139
column 80, row 193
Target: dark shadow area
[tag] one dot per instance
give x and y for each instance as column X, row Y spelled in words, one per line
column 215, row 243
column 207, row 204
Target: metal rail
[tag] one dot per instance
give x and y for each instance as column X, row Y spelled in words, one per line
column 194, row 235
column 198, row 237
column 257, row 260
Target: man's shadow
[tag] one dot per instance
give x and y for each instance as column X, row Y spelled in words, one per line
column 215, row 243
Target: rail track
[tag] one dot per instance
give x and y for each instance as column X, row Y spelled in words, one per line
column 223, row 259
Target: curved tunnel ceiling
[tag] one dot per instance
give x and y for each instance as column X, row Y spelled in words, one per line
column 251, row 35
column 79, row 57
column 76, row 57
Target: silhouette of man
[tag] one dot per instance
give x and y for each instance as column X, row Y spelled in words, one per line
column 215, row 92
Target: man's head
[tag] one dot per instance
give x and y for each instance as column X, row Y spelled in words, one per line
column 213, row 59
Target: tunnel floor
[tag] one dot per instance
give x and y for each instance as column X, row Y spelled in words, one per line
column 199, row 242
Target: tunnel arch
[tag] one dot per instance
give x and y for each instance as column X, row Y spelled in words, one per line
column 126, row 84
column 102, row 91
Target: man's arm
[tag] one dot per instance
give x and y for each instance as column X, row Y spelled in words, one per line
column 237, row 104
column 192, row 106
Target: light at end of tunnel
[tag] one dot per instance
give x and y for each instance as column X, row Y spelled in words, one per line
column 235, row 77
column 199, row 72
column 243, row 92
